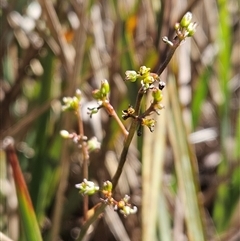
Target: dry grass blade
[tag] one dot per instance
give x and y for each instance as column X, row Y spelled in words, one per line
column 57, row 32
column 185, row 167
column 152, row 175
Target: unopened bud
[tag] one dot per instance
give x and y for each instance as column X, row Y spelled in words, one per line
column 64, row 134
column 144, row 71
column 148, row 80
column 191, row 29
column 131, row 75
column 105, row 88
column 186, row 20
column 157, row 95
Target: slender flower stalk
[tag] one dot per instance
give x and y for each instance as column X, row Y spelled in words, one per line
column 113, row 113
column 186, row 28
column 85, row 156
column 128, row 141
column 74, row 104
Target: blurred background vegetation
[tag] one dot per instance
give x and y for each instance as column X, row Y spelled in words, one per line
column 186, row 172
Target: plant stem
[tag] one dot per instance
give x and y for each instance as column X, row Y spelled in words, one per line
column 117, row 175
column 92, row 219
column 128, row 141
column 176, row 42
column 113, row 113
column 85, row 156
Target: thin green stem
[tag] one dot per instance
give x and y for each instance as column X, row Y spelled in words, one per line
column 128, row 141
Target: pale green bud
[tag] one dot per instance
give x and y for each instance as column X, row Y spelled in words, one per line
column 105, row 88
column 157, row 95
column 186, row 20
column 192, row 27
column 131, row 75
column 148, row 80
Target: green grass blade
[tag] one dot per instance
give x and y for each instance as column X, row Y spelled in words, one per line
column 200, row 95
column 27, row 214
column 42, row 167
column 221, row 214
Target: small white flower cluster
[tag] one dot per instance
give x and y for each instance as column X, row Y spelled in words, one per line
column 87, row 187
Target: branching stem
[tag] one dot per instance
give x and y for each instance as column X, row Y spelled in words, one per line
column 128, row 136
column 128, row 141
column 117, row 175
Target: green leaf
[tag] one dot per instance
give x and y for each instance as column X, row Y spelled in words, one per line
column 200, row 94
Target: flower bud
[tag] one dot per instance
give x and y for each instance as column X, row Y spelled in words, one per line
column 71, row 103
column 191, row 29
column 107, row 186
column 161, row 85
column 121, row 204
column 64, row 134
column 144, row 71
column 177, row 26
column 131, row 75
column 107, row 189
column 78, row 93
column 157, row 95
column 93, row 144
column 87, row 187
column 105, row 88
column 127, row 210
column 126, row 198
column 148, row 80
column 75, row 103
column 150, row 123
column 186, row 20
